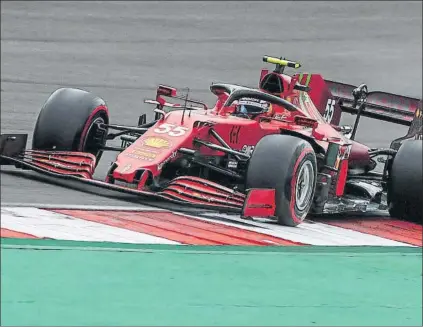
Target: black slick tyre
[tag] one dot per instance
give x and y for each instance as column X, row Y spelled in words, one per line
column 69, row 121
column 405, row 184
column 288, row 165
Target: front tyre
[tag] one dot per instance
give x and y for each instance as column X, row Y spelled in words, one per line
column 288, row 165
column 70, row 121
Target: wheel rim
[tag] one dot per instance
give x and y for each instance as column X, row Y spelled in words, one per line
column 95, row 138
column 304, row 185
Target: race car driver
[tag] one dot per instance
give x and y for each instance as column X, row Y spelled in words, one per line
column 252, row 108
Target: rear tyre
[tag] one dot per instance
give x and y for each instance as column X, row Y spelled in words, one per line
column 405, row 185
column 288, row 165
column 69, row 121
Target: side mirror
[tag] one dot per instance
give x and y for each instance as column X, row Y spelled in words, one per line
column 166, row 91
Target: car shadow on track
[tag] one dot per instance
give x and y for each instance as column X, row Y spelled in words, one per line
column 98, row 191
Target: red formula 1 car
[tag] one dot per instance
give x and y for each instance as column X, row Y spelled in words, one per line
column 277, row 151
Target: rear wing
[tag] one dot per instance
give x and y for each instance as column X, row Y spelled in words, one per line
column 385, row 106
column 171, row 92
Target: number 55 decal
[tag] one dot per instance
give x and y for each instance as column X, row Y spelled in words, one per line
column 330, row 110
column 170, row 129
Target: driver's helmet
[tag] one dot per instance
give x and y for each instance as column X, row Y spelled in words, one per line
column 252, row 107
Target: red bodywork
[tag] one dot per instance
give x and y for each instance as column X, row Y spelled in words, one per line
column 144, row 159
column 177, row 129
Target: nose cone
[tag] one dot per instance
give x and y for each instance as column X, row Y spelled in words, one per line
column 143, row 153
column 150, row 152
column 158, row 146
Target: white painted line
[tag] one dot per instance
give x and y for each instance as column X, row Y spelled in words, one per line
column 308, row 233
column 81, row 207
column 187, row 249
column 43, row 223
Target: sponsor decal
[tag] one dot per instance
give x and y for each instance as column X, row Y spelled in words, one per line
column 144, row 155
column 156, row 142
column 261, row 206
column 204, row 197
column 126, row 168
column 397, row 102
column 233, row 164
column 234, row 134
column 151, row 150
column 263, row 106
column 280, row 116
column 254, row 102
column 172, row 156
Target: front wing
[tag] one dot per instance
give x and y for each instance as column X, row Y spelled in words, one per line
column 185, row 190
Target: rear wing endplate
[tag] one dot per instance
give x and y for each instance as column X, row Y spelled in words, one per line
column 385, row 106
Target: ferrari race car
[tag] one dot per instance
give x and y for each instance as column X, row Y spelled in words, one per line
column 276, row 151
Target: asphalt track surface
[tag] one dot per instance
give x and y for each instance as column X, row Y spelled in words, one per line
column 122, row 50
